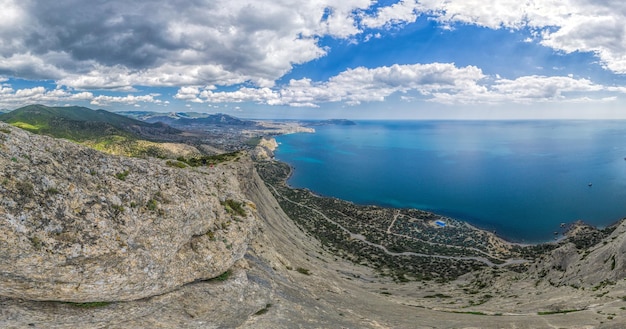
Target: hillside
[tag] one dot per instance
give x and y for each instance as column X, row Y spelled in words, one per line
column 91, row 240
column 81, row 123
column 99, row 129
column 183, row 121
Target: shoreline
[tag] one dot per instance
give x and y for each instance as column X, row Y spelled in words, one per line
column 558, row 238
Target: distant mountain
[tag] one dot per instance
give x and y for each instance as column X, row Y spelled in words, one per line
column 337, row 122
column 82, row 124
column 183, row 120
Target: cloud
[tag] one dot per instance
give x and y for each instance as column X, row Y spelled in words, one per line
column 564, row 25
column 402, row 12
column 128, row 100
column 13, row 98
column 437, row 82
column 119, row 44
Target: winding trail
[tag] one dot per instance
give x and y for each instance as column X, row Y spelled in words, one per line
column 405, row 253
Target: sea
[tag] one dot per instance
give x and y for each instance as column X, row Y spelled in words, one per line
column 524, row 180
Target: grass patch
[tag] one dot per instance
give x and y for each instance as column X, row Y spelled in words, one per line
column 234, row 207
column 28, row 126
column 438, row 296
column 90, row 304
column 206, row 160
column 557, row 312
column 122, row 175
column 175, row 164
column 52, row 191
column 303, row 271
column 471, row 312
column 152, row 205
column 223, row 277
column 263, row 310
column 5, row 130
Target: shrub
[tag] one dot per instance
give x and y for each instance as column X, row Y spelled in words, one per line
column 263, row 310
column 25, row 189
column 234, row 207
column 52, row 191
column 152, row 205
column 122, row 175
column 303, row 271
column 89, row 305
column 175, row 164
column 223, row 277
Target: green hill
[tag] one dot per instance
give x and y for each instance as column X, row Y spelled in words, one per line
column 99, row 129
column 81, row 124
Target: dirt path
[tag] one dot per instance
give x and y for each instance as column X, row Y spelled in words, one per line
column 406, row 253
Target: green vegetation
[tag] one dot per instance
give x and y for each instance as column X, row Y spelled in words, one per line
column 122, row 175
column 5, row 130
column 263, row 310
column 52, row 191
column 175, row 164
column 27, row 126
column 303, row 271
column 471, row 312
column 602, row 284
column 335, row 223
column 558, row 312
column 234, row 207
column 102, row 130
column 253, row 142
column 152, row 205
column 612, row 262
column 25, row 189
column 36, row 242
column 207, row 160
column 438, row 296
column 117, row 209
column 89, row 305
column 222, row 277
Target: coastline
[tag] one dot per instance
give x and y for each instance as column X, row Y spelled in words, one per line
column 395, row 240
column 526, row 209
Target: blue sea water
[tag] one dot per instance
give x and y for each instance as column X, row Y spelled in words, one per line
column 519, row 178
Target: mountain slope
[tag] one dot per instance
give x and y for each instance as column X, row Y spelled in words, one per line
column 213, row 119
column 81, row 123
column 101, row 130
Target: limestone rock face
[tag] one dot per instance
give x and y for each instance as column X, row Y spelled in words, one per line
column 599, row 264
column 265, row 149
column 79, row 225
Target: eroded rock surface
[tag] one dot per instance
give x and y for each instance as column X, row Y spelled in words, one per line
column 79, row 225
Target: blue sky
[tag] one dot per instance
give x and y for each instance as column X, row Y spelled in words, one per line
column 361, row 59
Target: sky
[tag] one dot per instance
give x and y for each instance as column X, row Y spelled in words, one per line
column 356, row 59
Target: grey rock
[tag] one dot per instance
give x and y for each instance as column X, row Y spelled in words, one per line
column 79, row 225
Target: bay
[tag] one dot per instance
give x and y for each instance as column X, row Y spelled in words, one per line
column 521, row 179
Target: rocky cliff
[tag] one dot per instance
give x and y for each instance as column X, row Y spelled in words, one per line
column 79, row 225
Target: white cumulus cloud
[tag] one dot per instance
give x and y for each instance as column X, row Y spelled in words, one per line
column 565, row 25
column 436, row 82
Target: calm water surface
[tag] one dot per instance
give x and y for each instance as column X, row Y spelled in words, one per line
column 520, row 178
